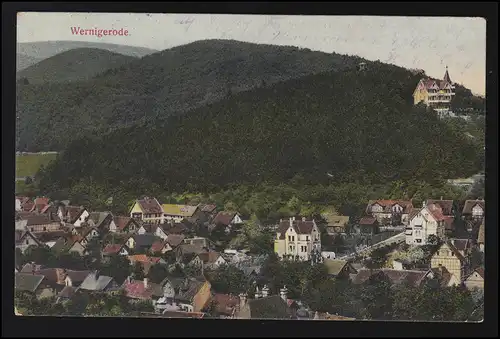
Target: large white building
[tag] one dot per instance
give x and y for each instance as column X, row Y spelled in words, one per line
column 429, row 220
column 297, row 239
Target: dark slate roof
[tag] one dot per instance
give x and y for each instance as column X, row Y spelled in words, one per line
column 77, row 276
column 40, row 220
column 189, row 288
column 207, row 208
column 272, row 307
column 122, row 222
column 27, row 281
column 368, row 221
column 67, row 292
column 469, row 205
column 175, row 239
column 98, row 218
column 300, row 226
column 224, row 218
column 461, row 244
column 29, row 268
column 144, row 240
column 446, row 205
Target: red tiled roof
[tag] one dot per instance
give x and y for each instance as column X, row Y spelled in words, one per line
column 446, row 205
column 112, row 249
column 367, row 221
column 436, row 212
column 42, row 200
column 28, row 206
column 136, row 289
column 158, row 246
column 34, row 219
column 150, row 205
column 73, row 212
column 209, row 257
column 224, row 218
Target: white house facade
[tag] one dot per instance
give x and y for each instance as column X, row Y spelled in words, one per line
column 428, row 221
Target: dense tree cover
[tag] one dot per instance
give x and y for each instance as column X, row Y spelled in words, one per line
column 68, row 66
column 156, row 86
column 368, row 134
column 464, row 102
column 81, row 305
column 375, row 299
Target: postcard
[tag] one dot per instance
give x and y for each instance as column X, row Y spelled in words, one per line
column 250, row 166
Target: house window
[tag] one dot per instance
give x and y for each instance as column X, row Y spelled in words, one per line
column 307, row 238
column 291, row 248
column 27, row 242
column 418, row 241
column 293, row 238
column 45, row 228
column 452, row 254
column 289, row 238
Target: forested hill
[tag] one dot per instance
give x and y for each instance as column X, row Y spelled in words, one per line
column 73, row 65
column 157, row 85
column 356, row 126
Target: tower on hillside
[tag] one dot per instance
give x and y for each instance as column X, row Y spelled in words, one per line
column 436, row 94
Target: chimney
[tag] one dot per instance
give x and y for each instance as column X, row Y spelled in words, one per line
column 303, row 218
column 257, row 293
column 243, row 300
column 145, row 282
column 293, row 218
column 291, row 222
column 441, row 198
column 265, row 291
column 283, row 293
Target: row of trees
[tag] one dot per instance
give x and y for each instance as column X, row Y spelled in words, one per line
column 375, row 299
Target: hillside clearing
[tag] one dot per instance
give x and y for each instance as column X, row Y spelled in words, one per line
column 28, row 164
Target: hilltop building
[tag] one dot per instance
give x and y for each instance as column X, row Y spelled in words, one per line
column 436, row 94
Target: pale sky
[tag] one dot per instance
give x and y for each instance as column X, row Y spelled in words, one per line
column 428, row 43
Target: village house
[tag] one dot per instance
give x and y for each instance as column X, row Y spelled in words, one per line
column 147, row 210
column 340, row 269
column 436, row 94
column 21, row 225
column 100, row 220
column 161, row 231
column 177, row 213
column 114, row 249
column 227, row 220
column 23, row 204
column 123, row 225
column 445, row 277
column 25, row 239
column 393, row 212
column 199, row 242
column 95, row 282
column 368, row 225
column 208, row 260
column 142, row 289
column 146, row 261
column 264, row 306
column 448, row 207
column 223, row 305
column 450, row 257
column 34, row 284
column 88, row 233
column 476, row 279
column 480, row 237
column 141, row 242
column 77, row 244
column 473, row 209
column 188, row 294
column 429, row 220
column 42, row 223
column 336, row 224
column 297, row 239
column 75, row 215
column 147, row 228
column 40, row 205
column 171, row 242
column 59, row 278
